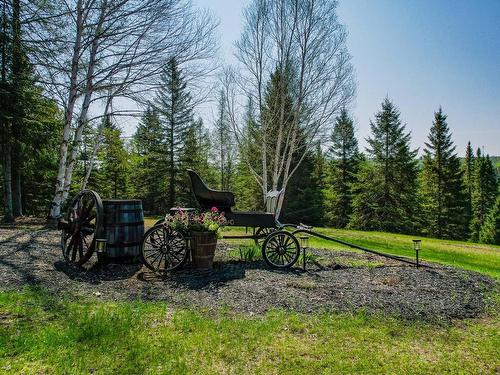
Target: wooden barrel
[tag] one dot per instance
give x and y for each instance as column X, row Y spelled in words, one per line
column 203, row 246
column 124, row 228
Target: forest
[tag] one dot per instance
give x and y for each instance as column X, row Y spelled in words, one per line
column 74, row 72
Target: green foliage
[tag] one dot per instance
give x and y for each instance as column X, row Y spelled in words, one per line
column 174, row 104
column 442, row 193
column 490, row 231
column 249, row 253
column 343, row 167
column 111, row 177
column 484, row 193
column 468, row 176
column 149, row 163
column 386, row 189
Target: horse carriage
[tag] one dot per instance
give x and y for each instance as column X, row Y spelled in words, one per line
column 116, row 228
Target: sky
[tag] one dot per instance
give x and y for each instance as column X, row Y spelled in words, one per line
column 421, row 54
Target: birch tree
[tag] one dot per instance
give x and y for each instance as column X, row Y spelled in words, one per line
column 118, row 45
column 305, row 42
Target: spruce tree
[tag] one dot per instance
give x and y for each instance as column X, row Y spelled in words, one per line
column 225, row 145
column 387, row 184
column 484, row 193
column 150, row 163
column 443, row 199
column 344, row 163
column 490, row 231
column 175, row 107
column 468, row 173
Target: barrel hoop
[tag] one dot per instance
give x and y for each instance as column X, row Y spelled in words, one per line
column 119, row 225
column 121, row 201
column 124, row 244
column 108, row 210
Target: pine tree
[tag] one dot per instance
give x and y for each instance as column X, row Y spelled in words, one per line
column 343, row 168
column 225, row 144
column 113, row 170
column 441, row 188
column 150, row 163
column 386, row 189
column 468, row 173
column 175, row 106
column 490, row 231
column 484, row 193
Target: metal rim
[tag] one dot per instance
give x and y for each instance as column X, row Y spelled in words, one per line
column 281, row 249
column 163, row 249
column 81, row 227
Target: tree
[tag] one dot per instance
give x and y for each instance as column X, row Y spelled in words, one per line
column 468, row 173
column 174, row 104
column 441, row 189
column 484, row 192
column 304, row 43
column 225, row 144
column 386, row 189
column 490, row 231
column 344, row 165
column 150, row 162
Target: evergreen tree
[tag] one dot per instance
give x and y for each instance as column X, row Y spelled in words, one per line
column 113, row 165
column 484, row 192
column 150, row 163
column 343, row 168
column 225, row 144
column 175, row 106
column 441, row 188
column 490, row 231
column 386, row 189
column 195, row 156
column 468, row 173
column 304, row 196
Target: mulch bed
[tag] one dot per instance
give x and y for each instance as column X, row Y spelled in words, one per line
column 334, row 281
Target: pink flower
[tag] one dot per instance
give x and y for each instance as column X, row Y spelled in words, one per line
column 214, row 209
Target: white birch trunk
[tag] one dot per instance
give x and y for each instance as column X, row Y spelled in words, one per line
column 55, row 210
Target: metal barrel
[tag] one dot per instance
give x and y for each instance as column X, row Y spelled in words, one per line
column 124, row 228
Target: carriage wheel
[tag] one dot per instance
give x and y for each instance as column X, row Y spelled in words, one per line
column 81, row 227
column 262, row 233
column 163, row 249
column 281, row 249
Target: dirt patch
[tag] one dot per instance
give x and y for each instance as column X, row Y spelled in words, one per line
column 334, row 281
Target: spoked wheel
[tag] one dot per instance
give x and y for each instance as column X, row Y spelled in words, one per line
column 262, row 233
column 281, row 249
column 163, row 249
column 81, row 227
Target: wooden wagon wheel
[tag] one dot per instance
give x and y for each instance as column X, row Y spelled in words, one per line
column 262, row 233
column 81, row 227
column 281, row 249
column 163, row 249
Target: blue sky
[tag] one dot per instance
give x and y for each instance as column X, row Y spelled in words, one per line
column 419, row 53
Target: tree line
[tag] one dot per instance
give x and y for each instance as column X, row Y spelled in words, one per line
column 281, row 125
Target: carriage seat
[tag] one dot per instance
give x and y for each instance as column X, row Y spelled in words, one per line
column 224, row 200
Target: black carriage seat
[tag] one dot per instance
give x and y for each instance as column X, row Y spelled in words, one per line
column 224, row 200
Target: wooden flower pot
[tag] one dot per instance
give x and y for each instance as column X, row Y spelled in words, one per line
column 203, row 246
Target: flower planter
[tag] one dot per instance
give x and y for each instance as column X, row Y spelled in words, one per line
column 203, row 246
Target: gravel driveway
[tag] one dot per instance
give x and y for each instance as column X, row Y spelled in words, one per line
column 335, row 281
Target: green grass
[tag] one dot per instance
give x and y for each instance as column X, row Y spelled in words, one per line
column 471, row 256
column 43, row 334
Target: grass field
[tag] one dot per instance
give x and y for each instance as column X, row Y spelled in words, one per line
column 471, row 256
column 43, row 333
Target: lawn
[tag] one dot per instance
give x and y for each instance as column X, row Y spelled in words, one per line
column 471, row 256
column 40, row 333
column 44, row 333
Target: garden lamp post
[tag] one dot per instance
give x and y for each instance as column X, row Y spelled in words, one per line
column 101, row 245
column 416, row 247
column 304, row 244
